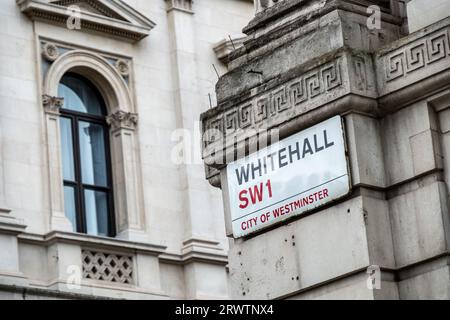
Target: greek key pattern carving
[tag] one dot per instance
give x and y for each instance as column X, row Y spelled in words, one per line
column 107, row 267
column 290, row 96
column 418, row 55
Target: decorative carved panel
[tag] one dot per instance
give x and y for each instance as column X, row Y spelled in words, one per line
column 107, row 267
column 417, row 58
column 291, row 95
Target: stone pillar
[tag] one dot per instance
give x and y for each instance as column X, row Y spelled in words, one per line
column 127, row 198
column 10, row 228
column 58, row 219
column 199, row 222
column 317, row 64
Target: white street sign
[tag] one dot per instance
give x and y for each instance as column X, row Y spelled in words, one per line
column 288, row 178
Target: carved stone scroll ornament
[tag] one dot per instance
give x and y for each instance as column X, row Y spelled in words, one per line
column 52, row 104
column 122, row 119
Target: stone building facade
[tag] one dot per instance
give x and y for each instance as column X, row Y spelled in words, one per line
column 104, row 207
column 385, row 71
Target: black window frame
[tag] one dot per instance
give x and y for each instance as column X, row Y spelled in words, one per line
column 78, row 185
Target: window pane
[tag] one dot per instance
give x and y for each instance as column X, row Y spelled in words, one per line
column 67, row 149
column 80, row 95
column 93, row 154
column 69, row 206
column 96, row 212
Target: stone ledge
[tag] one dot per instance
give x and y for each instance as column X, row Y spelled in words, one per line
column 93, row 242
column 198, row 250
column 11, row 225
column 56, row 290
column 387, row 275
column 301, row 91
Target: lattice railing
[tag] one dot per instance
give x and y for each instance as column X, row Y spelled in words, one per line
column 107, row 267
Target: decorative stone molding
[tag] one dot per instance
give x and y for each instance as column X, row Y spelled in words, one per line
column 292, row 95
column 342, row 79
column 94, row 243
column 52, row 49
column 180, row 5
column 52, row 104
column 107, row 267
column 122, row 120
column 111, row 17
column 9, row 224
column 123, row 67
column 414, row 58
column 50, row 52
column 98, row 69
column 417, row 55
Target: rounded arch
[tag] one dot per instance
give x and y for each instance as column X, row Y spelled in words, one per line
column 95, row 68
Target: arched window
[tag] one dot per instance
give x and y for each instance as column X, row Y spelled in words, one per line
column 88, row 196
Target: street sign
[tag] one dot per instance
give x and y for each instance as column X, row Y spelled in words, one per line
column 302, row 172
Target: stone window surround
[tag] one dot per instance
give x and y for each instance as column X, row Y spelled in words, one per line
column 122, row 117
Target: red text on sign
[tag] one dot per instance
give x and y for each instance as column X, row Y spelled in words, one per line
column 255, row 194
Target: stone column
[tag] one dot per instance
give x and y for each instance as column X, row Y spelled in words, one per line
column 127, row 199
column 10, row 227
column 58, row 219
column 199, row 222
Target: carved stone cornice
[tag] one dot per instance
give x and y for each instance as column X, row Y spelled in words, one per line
column 302, row 90
column 413, row 67
column 123, row 120
column 111, row 17
column 52, row 105
column 414, row 58
column 9, row 224
column 180, row 5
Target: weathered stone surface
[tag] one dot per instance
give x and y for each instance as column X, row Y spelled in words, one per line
column 392, row 91
column 299, row 255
